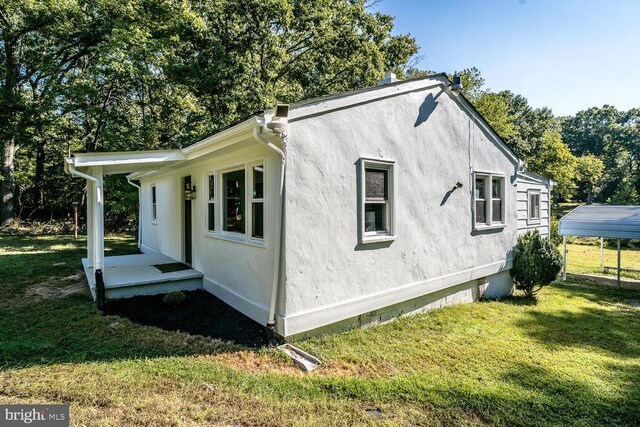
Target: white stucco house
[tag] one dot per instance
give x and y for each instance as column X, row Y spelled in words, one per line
column 339, row 211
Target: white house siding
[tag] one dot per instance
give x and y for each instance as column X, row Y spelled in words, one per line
column 525, row 186
column 238, row 273
column 330, row 276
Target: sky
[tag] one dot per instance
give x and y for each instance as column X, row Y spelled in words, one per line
column 568, row 55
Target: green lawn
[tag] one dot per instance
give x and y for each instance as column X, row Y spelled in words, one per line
column 585, row 258
column 571, row 357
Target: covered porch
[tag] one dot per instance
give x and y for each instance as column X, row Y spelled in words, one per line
column 125, row 276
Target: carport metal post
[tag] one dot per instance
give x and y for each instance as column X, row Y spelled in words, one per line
column 564, row 264
column 618, row 263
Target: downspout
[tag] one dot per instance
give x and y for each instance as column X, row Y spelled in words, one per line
column 257, row 134
column 139, row 210
column 100, row 292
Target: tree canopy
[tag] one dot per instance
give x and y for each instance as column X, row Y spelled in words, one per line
column 109, row 75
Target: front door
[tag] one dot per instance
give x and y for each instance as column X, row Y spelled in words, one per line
column 188, row 251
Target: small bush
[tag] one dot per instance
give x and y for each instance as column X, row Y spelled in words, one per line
column 536, row 263
column 556, row 238
column 174, row 298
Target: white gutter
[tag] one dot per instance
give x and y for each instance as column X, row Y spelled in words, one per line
column 257, row 134
column 139, row 209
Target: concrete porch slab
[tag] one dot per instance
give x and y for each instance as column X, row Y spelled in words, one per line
column 130, row 275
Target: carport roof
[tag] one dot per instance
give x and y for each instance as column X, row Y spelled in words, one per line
column 622, row 222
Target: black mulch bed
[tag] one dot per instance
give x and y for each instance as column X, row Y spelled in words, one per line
column 200, row 314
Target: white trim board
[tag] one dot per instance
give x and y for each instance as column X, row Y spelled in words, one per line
column 253, row 310
column 312, row 319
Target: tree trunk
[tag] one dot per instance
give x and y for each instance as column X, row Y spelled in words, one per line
column 6, row 182
column 590, row 195
column 38, row 188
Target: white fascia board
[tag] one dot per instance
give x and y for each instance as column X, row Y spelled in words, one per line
column 126, row 158
column 222, row 139
column 534, row 178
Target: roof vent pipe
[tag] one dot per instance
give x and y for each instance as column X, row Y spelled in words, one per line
column 388, row 78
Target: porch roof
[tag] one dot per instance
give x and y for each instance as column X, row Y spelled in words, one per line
column 126, row 161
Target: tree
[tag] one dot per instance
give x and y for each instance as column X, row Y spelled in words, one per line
column 44, row 46
column 251, row 54
column 589, row 171
column 605, row 133
column 82, row 75
column 530, row 125
column 495, row 110
column 625, row 194
column 554, row 160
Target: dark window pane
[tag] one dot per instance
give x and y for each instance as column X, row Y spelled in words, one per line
column 480, row 188
column 481, row 216
column 258, row 182
column 534, row 206
column 234, row 201
column 375, row 217
column 212, row 187
column 211, row 219
column 496, row 185
column 258, row 220
column 376, row 184
column 153, row 194
column 496, row 211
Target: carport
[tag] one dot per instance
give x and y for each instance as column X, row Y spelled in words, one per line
column 612, row 222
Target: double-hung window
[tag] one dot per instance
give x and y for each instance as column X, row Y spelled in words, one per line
column 376, row 201
column 534, row 206
column 489, row 202
column 236, row 202
column 154, row 206
column 211, row 203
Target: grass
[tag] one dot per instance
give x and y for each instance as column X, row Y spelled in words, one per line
column 571, row 357
column 585, row 258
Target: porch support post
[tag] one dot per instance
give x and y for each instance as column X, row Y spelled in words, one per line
column 98, row 216
column 90, row 224
column 564, row 264
column 98, row 235
column 618, row 263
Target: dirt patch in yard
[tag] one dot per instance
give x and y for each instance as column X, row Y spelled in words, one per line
column 58, row 287
column 200, row 314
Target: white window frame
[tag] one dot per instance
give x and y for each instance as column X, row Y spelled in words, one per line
column 253, row 200
column 232, row 236
column 377, row 236
column 530, row 219
column 154, row 203
column 488, row 185
column 208, row 202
